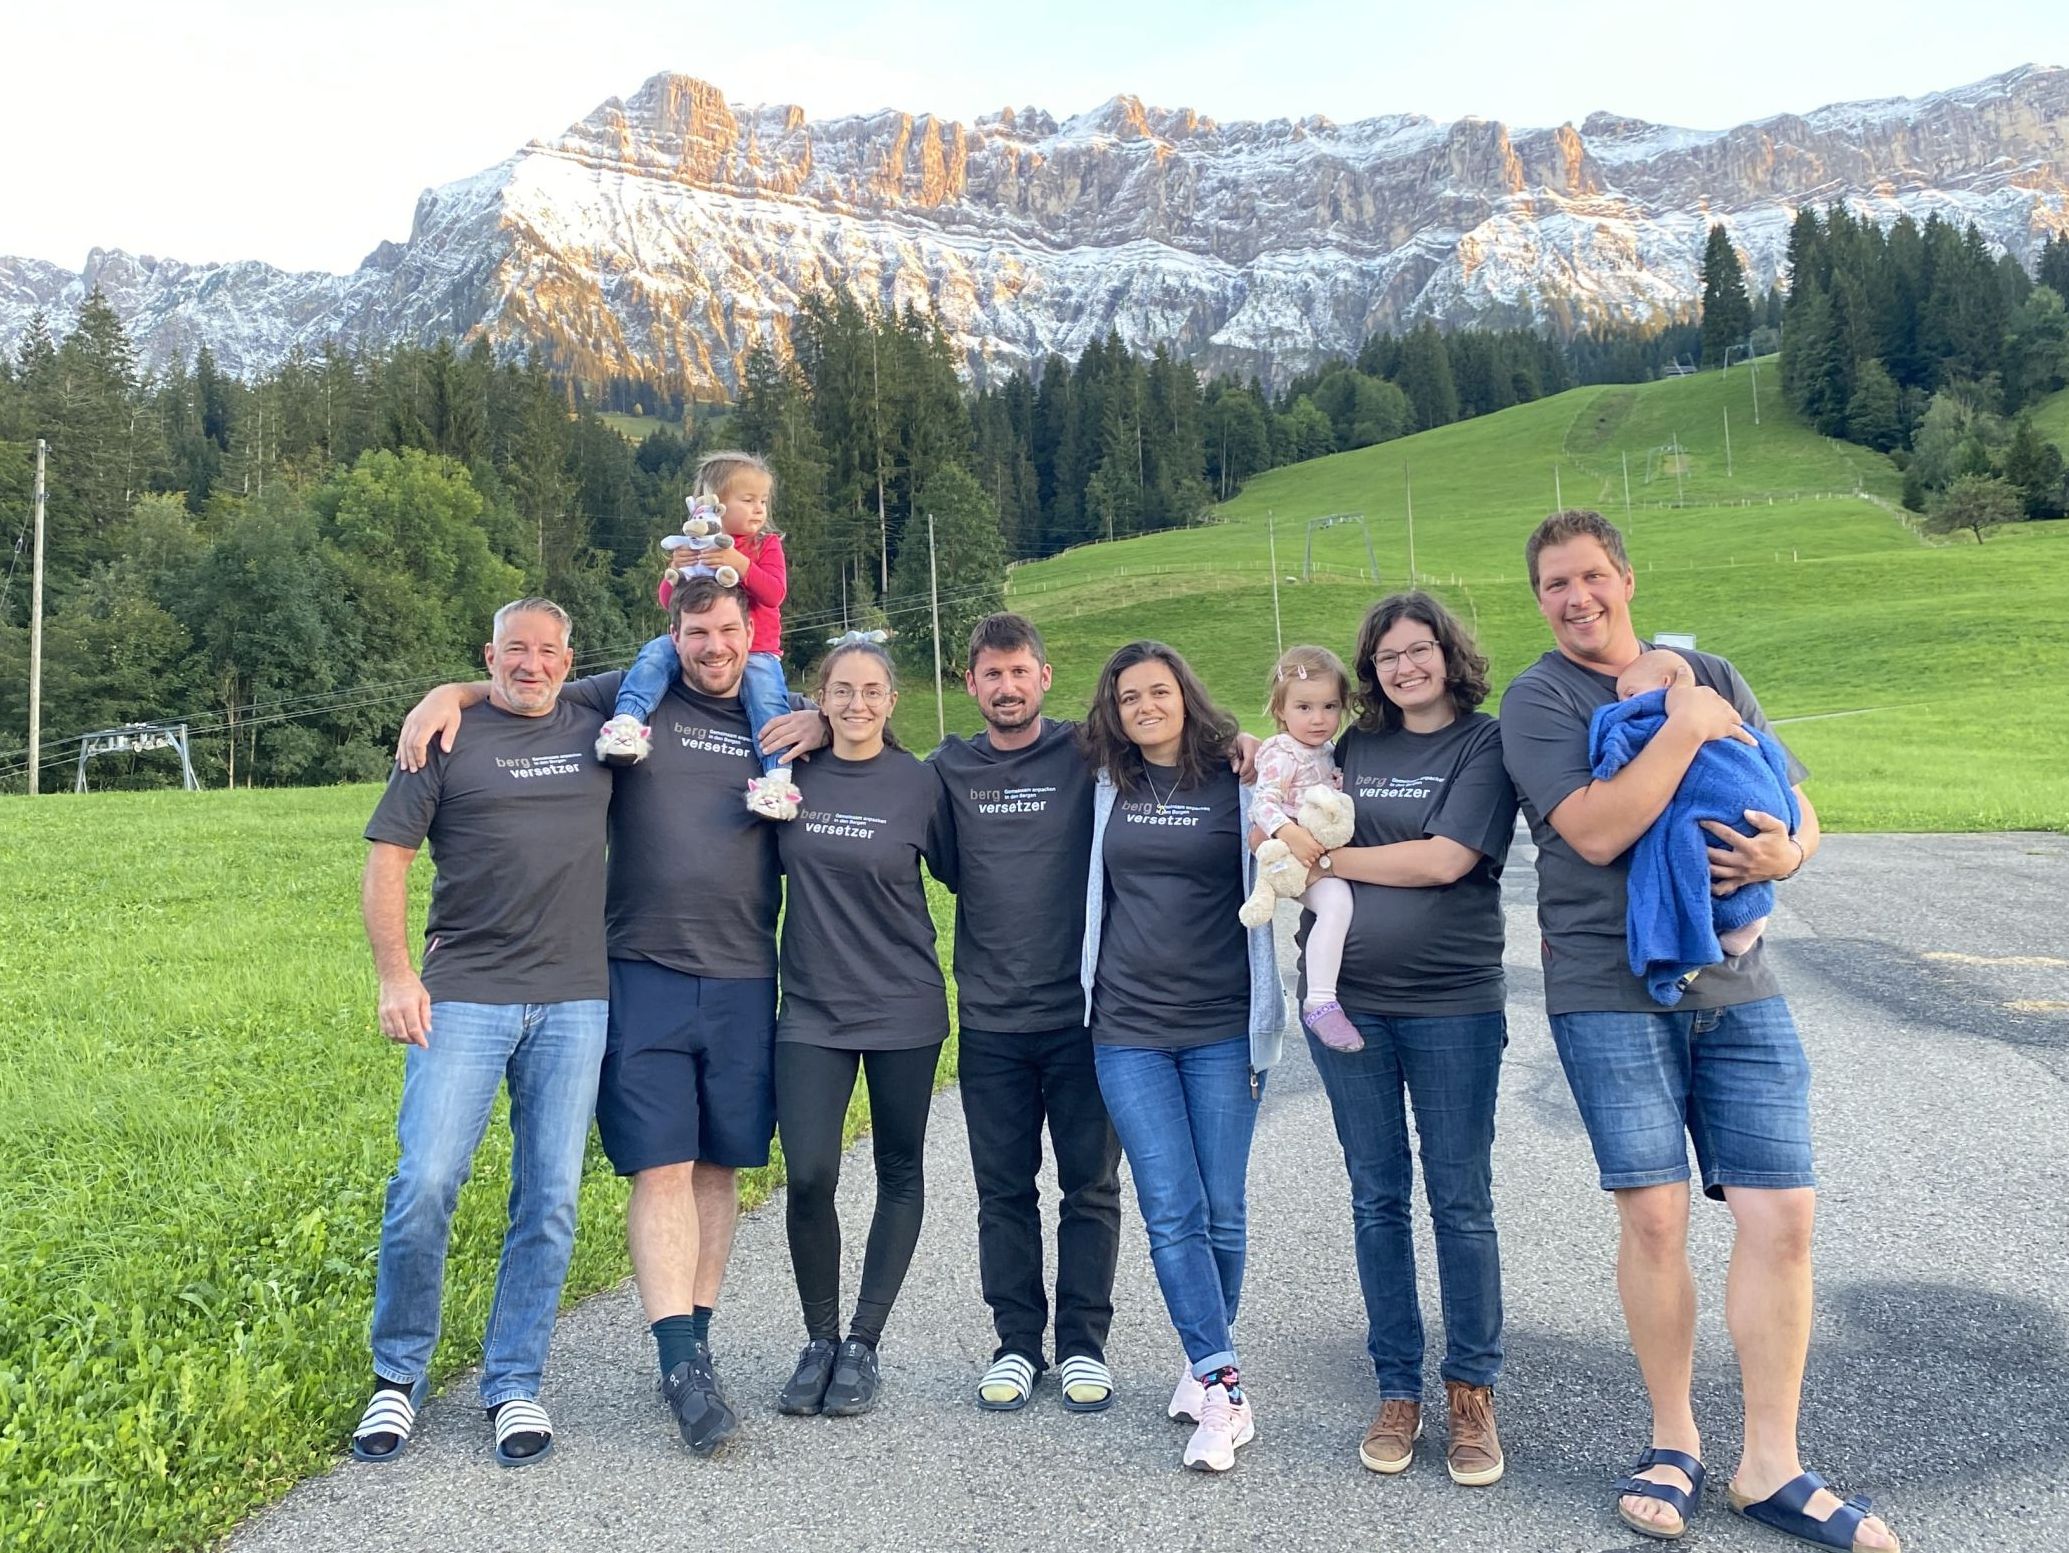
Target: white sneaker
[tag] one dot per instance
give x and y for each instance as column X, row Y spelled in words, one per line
column 624, row 741
column 1224, row 1425
column 1189, row 1398
column 775, row 796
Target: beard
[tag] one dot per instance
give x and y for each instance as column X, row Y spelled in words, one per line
column 1013, row 718
column 714, row 679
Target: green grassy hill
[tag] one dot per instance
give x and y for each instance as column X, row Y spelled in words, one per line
column 1949, row 660
column 2051, row 415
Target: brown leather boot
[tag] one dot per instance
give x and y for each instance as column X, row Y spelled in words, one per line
column 1390, row 1442
column 1472, row 1448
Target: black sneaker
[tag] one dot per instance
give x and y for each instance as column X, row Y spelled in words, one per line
column 856, row 1380
column 691, row 1391
column 804, row 1394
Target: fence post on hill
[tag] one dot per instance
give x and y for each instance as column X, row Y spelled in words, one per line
column 934, row 591
column 36, row 638
column 1271, row 539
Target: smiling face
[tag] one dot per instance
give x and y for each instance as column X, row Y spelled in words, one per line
column 1009, row 687
column 1586, row 599
column 855, row 692
column 1152, row 710
column 744, row 504
column 713, row 645
column 527, row 663
column 1410, row 667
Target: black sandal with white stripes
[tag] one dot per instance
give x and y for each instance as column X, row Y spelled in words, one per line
column 1008, row 1384
column 389, row 1412
column 521, row 1415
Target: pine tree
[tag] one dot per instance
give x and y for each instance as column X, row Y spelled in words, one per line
column 1727, row 311
column 970, row 561
column 2054, row 265
column 1872, row 414
column 1425, row 377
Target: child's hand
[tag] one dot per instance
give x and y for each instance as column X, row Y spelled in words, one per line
column 730, row 556
column 1300, row 843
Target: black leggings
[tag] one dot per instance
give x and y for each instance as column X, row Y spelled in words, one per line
column 813, row 1086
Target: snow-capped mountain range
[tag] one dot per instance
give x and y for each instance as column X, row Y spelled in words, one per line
column 665, row 234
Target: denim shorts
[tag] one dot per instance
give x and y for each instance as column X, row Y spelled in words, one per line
column 1735, row 1080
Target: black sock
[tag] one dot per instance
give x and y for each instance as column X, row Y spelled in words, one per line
column 677, row 1337
column 700, row 1322
column 525, row 1442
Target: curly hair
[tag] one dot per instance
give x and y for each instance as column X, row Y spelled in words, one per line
column 1203, row 741
column 1465, row 667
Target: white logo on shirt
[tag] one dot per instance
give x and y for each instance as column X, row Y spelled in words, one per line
column 1142, row 811
column 525, row 767
column 713, row 741
column 1397, row 786
column 859, row 827
column 1011, row 800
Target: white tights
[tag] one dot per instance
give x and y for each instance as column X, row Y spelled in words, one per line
column 1330, row 901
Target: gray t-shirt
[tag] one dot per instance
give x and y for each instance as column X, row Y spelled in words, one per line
column 1424, row 953
column 860, row 971
column 515, row 817
column 1174, row 965
column 1023, row 834
column 694, row 882
column 1581, row 907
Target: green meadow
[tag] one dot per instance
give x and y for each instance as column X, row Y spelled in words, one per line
column 200, row 1115
column 200, row 1107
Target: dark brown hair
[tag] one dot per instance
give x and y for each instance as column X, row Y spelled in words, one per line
column 1575, row 523
column 695, row 595
column 847, row 650
column 1465, row 668
column 1006, row 632
column 1203, row 742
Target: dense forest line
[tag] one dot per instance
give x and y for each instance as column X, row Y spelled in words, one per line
column 284, row 562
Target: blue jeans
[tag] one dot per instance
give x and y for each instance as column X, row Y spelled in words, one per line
column 550, row 1053
column 1185, row 1119
column 762, row 690
column 1734, row 1080
column 1450, row 1069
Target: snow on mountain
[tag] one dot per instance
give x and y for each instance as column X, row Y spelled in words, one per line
column 667, row 233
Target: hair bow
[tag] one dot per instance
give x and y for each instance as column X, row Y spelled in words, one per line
column 859, row 639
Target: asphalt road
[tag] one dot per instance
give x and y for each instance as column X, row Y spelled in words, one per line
column 1931, row 979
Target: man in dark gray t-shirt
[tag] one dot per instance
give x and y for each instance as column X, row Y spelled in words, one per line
column 1021, row 795
column 513, row 985
column 1724, row 1068
column 687, row 1095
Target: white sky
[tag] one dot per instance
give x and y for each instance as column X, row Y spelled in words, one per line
column 223, row 129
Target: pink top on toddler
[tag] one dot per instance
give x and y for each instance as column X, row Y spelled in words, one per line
column 1286, row 770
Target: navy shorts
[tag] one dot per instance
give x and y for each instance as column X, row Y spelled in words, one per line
column 689, row 1069
column 1733, row 1080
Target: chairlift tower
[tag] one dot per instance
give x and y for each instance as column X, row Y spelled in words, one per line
column 1336, row 520
column 136, row 738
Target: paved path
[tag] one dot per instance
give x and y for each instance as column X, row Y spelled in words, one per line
column 1931, row 977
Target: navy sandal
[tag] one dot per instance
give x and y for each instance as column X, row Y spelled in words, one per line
column 1783, row 1511
column 1684, row 1502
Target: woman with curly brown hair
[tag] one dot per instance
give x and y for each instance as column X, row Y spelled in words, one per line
column 1184, row 1005
column 1422, row 982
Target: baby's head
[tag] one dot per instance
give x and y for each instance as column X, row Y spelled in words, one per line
column 743, row 485
column 1309, row 692
column 1658, row 669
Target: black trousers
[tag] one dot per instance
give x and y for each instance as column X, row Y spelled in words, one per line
column 813, row 1087
column 1012, row 1082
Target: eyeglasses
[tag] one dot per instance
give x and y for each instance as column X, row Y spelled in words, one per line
column 1417, row 653
column 868, row 695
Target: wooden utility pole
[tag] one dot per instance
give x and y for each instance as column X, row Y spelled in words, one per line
column 1626, row 457
column 36, row 638
column 934, row 590
column 1727, row 444
column 1271, row 539
column 1409, row 481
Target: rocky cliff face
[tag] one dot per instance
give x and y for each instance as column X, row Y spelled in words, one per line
column 665, row 234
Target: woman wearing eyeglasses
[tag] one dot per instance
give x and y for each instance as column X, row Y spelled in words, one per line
column 1422, row 982
column 862, row 988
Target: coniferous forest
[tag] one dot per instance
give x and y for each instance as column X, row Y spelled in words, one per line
column 285, row 563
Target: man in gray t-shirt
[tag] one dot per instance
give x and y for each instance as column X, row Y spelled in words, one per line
column 513, row 985
column 1724, row 1068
